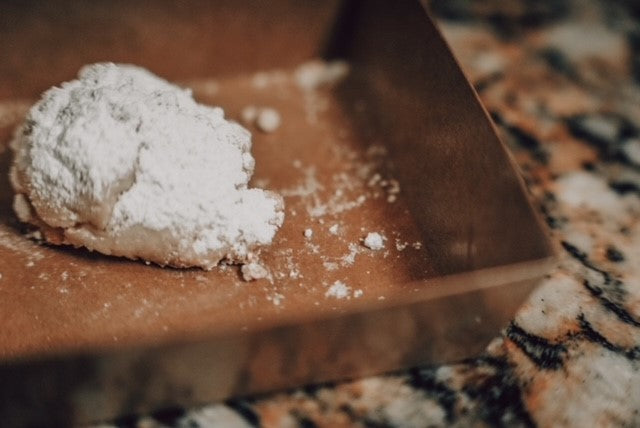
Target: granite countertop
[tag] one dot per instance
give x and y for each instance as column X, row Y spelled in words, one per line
column 561, row 80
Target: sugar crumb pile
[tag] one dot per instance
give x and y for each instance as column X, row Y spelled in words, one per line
column 334, row 198
column 316, row 73
column 339, row 290
column 374, row 241
column 266, row 119
column 122, row 162
column 253, row 271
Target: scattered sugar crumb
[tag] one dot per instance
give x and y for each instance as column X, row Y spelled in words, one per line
column 294, row 274
column 268, row 120
column 357, row 293
column 314, row 248
column 350, row 258
column 339, row 290
column 374, row 241
column 333, row 229
column 249, row 114
column 394, row 187
column 375, row 179
column 417, row 245
column 276, row 298
column 400, row 246
column 64, row 275
column 381, row 297
column 310, row 186
column 315, row 74
column 308, row 233
column 253, row 271
column 330, row 266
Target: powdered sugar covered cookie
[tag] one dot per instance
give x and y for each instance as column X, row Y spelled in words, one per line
column 125, row 163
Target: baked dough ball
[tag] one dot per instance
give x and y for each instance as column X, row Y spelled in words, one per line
column 127, row 164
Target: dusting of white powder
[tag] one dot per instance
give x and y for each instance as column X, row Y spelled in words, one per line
column 129, row 164
column 374, row 241
column 338, row 290
column 253, row 270
column 268, row 120
column 276, row 298
column 314, row 74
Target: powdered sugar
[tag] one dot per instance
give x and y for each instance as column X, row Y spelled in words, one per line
column 314, row 74
column 253, row 270
column 131, row 165
column 374, row 241
column 266, row 119
column 339, row 290
column 336, row 179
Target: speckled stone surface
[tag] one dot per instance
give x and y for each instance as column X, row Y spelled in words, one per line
column 562, row 81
